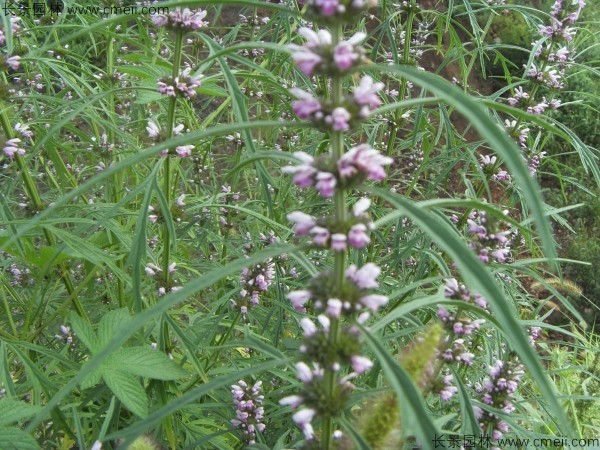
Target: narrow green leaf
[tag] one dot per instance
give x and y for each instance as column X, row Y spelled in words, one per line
column 478, row 278
column 489, row 130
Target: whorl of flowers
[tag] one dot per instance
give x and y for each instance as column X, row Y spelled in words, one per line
column 328, row 117
column 318, row 53
column 13, row 147
column 497, row 391
column 181, row 19
column 487, row 243
column 331, row 348
column 254, row 280
column 249, row 411
column 183, row 85
column 357, row 295
column 331, row 11
column 326, row 232
column 324, row 174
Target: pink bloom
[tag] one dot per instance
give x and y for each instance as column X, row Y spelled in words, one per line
column 153, row 130
column 293, row 400
column 358, row 237
column 374, row 302
column 320, row 236
column 328, row 7
column 303, row 222
column 308, row 327
column 365, row 277
column 338, row 242
column 334, row 307
column 345, row 53
column 184, row 151
column 303, row 372
column 365, row 92
column 303, row 173
column 298, row 299
column 361, row 364
column 340, row 118
column 11, row 147
column 306, row 105
column 361, row 206
column 326, row 184
column 13, row 62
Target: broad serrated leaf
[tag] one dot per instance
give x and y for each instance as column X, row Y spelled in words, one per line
column 83, row 331
column 15, row 439
column 145, row 362
column 128, row 390
column 109, row 324
column 11, row 411
column 92, row 379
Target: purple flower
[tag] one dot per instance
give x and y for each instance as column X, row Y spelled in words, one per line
column 303, row 173
column 357, row 236
column 299, row 299
column 363, row 159
column 12, row 148
column 346, row 54
column 13, row 62
column 374, row 301
column 338, row 242
column 325, row 184
column 320, row 236
column 361, row 364
column 249, row 410
column 339, row 119
column 306, row 105
column 327, row 7
column 365, row 277
column 184, row 151
column 304, row 222
column 365, row 94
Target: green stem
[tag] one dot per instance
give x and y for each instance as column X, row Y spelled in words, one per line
column 167, row 188
column 339, row 200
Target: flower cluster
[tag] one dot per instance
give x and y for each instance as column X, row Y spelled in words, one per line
column 255, row 280
column 497, row 390
column 339, row 117
column 331, row 347
column 552, row 57
column 183, row 85
column 337, row 10
column 328, row 233
column 318, row 54
column 488, row 243
column 356, row 293
column 12, row 147
column 181, row 20
column 356, row 165
column 249, row 412
column 155, row 133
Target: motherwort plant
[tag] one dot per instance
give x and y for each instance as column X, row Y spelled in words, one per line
column 341, row 297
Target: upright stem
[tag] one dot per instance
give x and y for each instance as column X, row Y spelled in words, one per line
column 339, row 268
column 167, row 188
